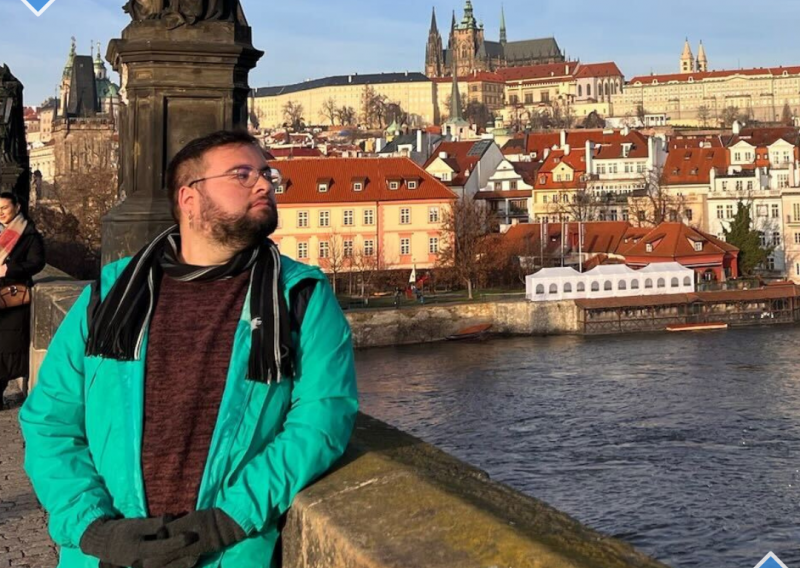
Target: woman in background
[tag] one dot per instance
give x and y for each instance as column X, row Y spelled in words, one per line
column 21, row 257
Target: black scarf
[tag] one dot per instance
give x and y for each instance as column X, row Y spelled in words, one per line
column 117, row 324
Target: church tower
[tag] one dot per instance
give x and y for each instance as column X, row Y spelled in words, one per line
column 434, row 52
column 503, row 37
column 687, row 59
column 702, row 59
column 66, row 79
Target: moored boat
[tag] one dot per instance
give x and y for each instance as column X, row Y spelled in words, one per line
column 708, row 326
column 472, row 332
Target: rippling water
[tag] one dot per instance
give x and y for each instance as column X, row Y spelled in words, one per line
column 686, row 446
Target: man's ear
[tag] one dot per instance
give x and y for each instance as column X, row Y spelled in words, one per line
column 187, row 197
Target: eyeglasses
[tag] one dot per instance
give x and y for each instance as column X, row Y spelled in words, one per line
column 247, row 177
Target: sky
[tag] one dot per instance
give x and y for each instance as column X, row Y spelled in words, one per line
column 305, row 39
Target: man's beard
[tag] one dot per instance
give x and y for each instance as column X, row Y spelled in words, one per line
column 234, row 232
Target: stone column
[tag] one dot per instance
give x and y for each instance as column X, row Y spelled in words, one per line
column 177, row 84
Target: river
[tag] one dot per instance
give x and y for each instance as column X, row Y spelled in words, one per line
column 687, row 446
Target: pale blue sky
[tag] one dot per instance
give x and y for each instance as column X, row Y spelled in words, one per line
column 315, row 38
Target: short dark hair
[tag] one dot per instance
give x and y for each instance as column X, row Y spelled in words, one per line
column 12, row 197
column 184, row 164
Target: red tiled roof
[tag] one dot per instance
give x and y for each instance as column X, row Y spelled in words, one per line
column 575, row 159
column 504, row 194
column 599, row 237
column 691, row 141
column 611, row 142
column 458, row 159
column 684, row 77
column 513, row 147
column 302, row 176
column 607, row 69
column 535, row 72
column 765, row 136
column 688, row 166
column 672, row 241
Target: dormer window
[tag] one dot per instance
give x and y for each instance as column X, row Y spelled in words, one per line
column 412, row 185
column 358, row 186
column 649, row 247
column 698, row 246
column 323, row 185
column 445, row 176
column 279, row 189
column 394, row 185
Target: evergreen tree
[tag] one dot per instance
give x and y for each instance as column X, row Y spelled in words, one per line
column 742, row 235
column 787, row 118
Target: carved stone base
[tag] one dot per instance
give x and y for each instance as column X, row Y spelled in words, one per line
column 133, row 224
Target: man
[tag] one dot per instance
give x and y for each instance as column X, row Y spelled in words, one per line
column 186, row 400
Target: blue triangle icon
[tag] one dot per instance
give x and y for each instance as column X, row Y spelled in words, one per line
column 771, row 561
column 38, row 6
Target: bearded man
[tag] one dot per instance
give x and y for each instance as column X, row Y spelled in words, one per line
column 193, row 391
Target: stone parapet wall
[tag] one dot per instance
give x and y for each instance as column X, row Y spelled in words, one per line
column 395, row 501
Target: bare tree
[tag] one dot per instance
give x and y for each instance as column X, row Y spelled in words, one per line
column 373, row 107
column 367, row 266
column 346, row 115
column 655, row 203
column 641, row 113
column 787, row 116
column 465, row 248
column 479, row 114
column 329, row 110
column 594, row 120
column 293, row 114
column 339, row 257
column 703, row 114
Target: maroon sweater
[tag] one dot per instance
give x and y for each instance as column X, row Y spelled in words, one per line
column 188, row 355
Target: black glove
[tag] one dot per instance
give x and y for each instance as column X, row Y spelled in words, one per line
column 125, row 542
column 210, row 530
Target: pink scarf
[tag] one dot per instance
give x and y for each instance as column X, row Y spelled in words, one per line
column 10, row 235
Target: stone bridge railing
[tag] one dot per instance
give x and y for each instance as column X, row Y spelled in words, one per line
column 395, row 501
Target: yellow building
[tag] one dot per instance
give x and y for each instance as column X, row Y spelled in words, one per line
column 697, row 97
column 352, row 214
column 414, row 92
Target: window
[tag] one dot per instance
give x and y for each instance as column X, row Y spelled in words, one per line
column 554, row 288
column 347, row 248
column 797, row 269
column 776, row 239
column 568, row 288
column 649, row 247
column 445, row 176
column 688, row 214
column 412, row 185
column 302, row 250
column 433, row 214
column 675, row 283
column 540, row 289
column 433, row 245
column 279, row 189
column 348, row 218
column 739, row 185
column 648, row 284
column 595, row 286
column 513, row 185
column 698, row 246
column 405, row 247
column 358, row 186
column 396, row 184
column 607, row 285
column 324, row 218
column 528, row 98
column 771, row 263
column 776, row 211
column 545, row 97
column 687, row 281
column 729, row 211
column 737, row 156
column 634, row 285
column 662, row 283
column 582, row 286
column 369, row 247
column 498, row 186
column 324, row 249
column 724, row 186
column 796, row 209
column 369, row 217
column 622, row 285
column 405, row 216
column 750, row 185
column 762, row 211
column 302, row 219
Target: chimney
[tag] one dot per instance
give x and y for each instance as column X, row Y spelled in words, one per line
column 626, row 130
column 566, row 69
column 589, row 157
column 567, row 149
column 737, row 127
column 546, row 153
column 563, row 138
column 419, row 141
column 443, row 155
column 379, row 144
column 712, row 178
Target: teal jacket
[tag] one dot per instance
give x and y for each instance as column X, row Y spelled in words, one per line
column 82, row 426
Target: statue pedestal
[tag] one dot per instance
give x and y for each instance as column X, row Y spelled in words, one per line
column 16, row 180
column 177, row 85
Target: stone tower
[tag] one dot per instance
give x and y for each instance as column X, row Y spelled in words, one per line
column 66, row 78
column 434, row 51
column 702, row 59
column 687, row 59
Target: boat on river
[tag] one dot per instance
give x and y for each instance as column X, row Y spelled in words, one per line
column 708, row 326
column 474, row 332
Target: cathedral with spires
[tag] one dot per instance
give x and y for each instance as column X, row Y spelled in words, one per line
column 468, row 51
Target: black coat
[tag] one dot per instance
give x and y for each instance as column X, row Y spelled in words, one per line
column 26, row 260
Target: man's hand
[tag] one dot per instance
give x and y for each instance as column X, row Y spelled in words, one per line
column 133, row 542
column 210, row 531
